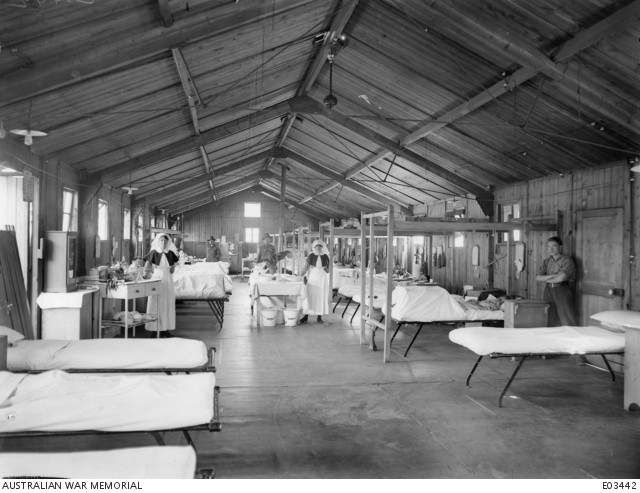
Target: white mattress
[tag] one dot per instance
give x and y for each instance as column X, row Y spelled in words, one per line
column 60, row 401
column 433, row 304
column 343, row 276
column 542, row 340
column 348, row 290
column 203, row 280
column 165, row 462
column 379, row 297
column 91, row 354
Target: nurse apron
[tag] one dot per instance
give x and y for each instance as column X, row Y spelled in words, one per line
column 317, row 290
column 164, row 304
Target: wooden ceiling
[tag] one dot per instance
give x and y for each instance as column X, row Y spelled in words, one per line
column 194, row 101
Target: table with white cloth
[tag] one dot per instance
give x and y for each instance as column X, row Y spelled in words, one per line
column 275, row 286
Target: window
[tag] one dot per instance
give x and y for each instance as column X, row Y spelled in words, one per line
column 103, row 220
column 507, row 212
column 126, row 224
column 69, row 210
column 458, row 239
column 252, row 235
column 252, row 209
column 139, row 229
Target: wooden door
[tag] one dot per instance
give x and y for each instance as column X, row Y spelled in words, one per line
column 601, row 272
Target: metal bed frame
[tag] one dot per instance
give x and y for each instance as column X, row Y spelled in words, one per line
column 214, row 425
column 216, row 305
column 524, row 356
column 207, row 367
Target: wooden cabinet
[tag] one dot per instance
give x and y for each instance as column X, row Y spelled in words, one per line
column 526, row 313
column 60, row 255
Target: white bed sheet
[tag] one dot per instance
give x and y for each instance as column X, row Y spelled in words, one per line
column 540, row 340
column 203, row 280
column 157, row 462
column 433, row 304
column 200, row 284
column 51, row 354
column 60, row 401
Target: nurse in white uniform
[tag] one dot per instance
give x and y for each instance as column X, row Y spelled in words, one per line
column 316, row 270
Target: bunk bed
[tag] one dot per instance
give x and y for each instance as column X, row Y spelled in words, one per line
column 412, row 228
column 204, row 281
column 524, row 344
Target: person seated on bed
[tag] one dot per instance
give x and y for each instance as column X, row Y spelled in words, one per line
column 558, row 273
column 317, row 280
column 213, row 250
column 162, row 259
column 267, row 254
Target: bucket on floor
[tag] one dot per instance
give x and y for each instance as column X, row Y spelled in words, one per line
column 291, row 316
column 269, row 317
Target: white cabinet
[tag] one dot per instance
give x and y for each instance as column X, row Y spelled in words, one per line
column 69, row 316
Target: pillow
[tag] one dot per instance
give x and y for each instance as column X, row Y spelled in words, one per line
column 617, row 319
column 12, row 335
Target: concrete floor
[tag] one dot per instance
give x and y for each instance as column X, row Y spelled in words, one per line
column 311, row 402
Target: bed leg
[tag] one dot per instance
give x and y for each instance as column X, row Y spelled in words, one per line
column 515, row 372
column 400, row 324
column 373, row 346
column 187, row 436
column 606, row 362
column 345, row 308
column 473, row 370
column 354, row 314
column 158, row 437
column 337, row 303
column 413, row 340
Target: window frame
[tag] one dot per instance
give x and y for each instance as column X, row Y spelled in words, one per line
column 251, row 235
column 252, row 205
column 69, row 210
column 504, row 218
column 103, row 216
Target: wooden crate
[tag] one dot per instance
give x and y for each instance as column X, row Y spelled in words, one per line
column 526, row 313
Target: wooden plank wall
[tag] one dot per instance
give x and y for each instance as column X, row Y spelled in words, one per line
column 459, row 271
column 543, row 198
column 227, row 218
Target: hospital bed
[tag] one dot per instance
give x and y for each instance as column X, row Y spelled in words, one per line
column 110, row 355
column 168, row 462
column 524, row 344
column 204, row 281
column 57, row 403
column 433, row 305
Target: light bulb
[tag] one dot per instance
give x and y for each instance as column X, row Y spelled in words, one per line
column 28, row 139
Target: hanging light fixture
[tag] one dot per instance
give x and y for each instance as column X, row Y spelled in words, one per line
column 28, row 133
column 636, row 165
column 330, row 100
